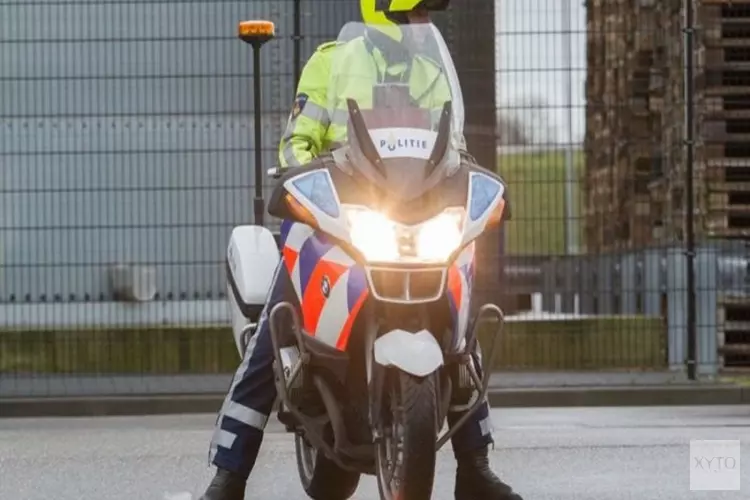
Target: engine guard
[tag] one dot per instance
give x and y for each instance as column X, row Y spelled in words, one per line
column 246, row 335
column 313, row 427
column 486, row 314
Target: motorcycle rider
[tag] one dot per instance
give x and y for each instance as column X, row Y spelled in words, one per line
column 248, row 404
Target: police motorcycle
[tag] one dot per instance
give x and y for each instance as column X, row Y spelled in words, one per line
column 379, row 242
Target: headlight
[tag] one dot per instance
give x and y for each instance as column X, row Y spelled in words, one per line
column 373, row 234
column 439, row 237
column 382, row 240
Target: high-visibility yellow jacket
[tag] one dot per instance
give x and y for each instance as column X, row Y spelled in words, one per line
column 311, row 130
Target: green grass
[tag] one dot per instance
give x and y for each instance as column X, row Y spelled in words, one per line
column 536, row 182
column 628, row 342
column 588, row 343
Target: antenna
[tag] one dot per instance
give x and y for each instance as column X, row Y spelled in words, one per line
column 257, row 33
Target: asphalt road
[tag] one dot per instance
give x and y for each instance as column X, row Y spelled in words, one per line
column 576, row 454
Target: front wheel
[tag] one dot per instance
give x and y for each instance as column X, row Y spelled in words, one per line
column 406, row 454
column 321, row 478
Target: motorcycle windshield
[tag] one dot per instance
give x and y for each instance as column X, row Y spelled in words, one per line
column 395, row 101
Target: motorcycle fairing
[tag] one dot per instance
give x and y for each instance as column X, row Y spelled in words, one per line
column 460, row 285
column 332, row 288
column 316, row 191
column 485, row 201
column 330, row 285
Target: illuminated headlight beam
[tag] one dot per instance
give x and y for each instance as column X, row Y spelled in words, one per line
column 380, row 239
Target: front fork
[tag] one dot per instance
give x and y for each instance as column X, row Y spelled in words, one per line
column 489, row 314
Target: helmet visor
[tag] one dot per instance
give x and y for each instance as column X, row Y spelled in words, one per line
column 434, row 4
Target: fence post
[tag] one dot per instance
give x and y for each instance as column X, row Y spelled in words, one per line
column 571, row 236
column 689, row 33
column 297, row 37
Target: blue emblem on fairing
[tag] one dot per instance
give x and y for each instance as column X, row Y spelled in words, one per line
column 484, row 190
column 317, row 188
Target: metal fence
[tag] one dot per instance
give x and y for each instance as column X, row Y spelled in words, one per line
column 126, row 144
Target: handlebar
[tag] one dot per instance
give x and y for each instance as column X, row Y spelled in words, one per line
column 274, row 173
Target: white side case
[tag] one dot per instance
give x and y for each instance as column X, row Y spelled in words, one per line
column 252, row 257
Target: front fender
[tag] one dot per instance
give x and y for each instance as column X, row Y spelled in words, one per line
column 416, row 353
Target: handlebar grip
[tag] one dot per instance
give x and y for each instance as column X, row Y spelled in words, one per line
column 275, row 172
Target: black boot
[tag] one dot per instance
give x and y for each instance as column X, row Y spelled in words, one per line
column 476, row 481
column 225, row 486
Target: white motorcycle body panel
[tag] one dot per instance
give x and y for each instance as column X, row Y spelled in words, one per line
column 416, row 353
column 480, row 205
column 332, row 222
column 465, row 263
column 252, row 257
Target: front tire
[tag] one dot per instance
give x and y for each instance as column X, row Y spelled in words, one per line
column 406, row 454
column 321, row 478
